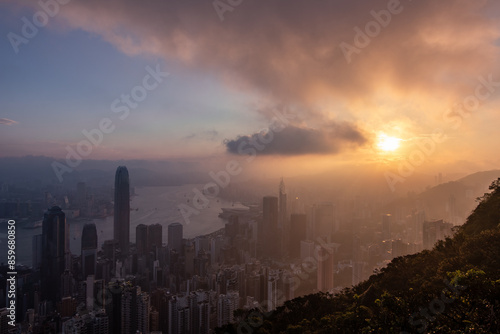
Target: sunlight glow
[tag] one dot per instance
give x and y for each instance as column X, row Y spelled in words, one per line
column 387, row 143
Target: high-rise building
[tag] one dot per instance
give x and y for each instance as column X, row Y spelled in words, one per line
column 141, row 239
column 4, row 321
column 282, row 204
column 134, row 310
column 199, row 307
column 36, row 248
column 155, row 233
column 175, row 237
column 283, row 223
column 325, row 268
column 143, row 312
column 148, row 238
column 54, row 249
column 122, row 210
column 101, row 323
column 298, row 230
column 179, row 315
column 226, row 305
column 270, row 241
column 89, row 250
column 274, row 291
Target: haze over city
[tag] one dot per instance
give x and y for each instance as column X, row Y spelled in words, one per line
column 205, row 150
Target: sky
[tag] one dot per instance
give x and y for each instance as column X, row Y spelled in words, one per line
column 293, row 82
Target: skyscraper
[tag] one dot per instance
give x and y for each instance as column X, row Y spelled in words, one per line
column 36, row 248
column 282, row 205
column 325, row 268
column 89, row 249
column 54, row 249
column 155, row 233
column 271, row 244
column 283, row 223
column 141, row 239
column 175, row 237
column 122, row 210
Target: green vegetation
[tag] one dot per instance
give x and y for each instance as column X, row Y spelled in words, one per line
column 455, row 288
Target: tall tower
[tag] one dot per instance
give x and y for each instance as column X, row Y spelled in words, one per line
column 54, row 249
column 282, row 205
column 283, row 223
column 141, row 238
column 122, row 209
column 155, row 236
column 89, row 250
column 175, row 237
column 325, row 268
column 270, row 241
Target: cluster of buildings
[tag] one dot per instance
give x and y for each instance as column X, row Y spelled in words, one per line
column 265, row 255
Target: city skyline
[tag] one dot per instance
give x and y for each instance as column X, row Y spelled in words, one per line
column 231, row 166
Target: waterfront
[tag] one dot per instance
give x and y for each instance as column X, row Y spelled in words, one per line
column 150, row 205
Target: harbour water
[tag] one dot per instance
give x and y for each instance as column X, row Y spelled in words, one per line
column 151, row 205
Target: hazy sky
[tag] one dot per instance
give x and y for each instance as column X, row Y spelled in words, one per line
column 345, row 72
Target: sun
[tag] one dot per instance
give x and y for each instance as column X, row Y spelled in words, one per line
column 387, row 143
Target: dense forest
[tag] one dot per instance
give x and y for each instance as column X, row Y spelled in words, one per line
column 453, row 288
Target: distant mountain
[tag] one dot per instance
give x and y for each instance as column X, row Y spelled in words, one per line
column 39, row 170
column 452, row 201
column 453, row 288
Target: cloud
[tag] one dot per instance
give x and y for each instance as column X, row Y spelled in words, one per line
column 289, row 50
column 297, row 140
column 7, row 121
column 426, row 59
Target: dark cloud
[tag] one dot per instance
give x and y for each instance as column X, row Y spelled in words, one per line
column 296, row 140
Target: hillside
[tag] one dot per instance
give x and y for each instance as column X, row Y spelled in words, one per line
column 454, row 288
